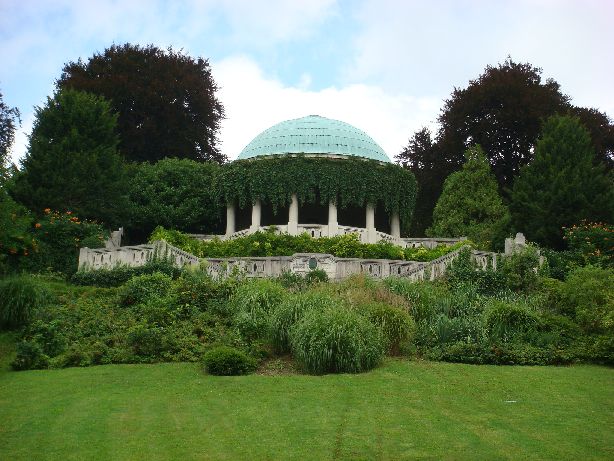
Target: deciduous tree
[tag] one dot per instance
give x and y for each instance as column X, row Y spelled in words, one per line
column 165, row 100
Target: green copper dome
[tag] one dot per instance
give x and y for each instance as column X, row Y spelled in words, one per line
column 314, row 135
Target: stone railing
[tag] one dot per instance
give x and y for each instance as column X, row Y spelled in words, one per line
column 313, row 230
column 300, row 263
column 430, row 242
column 137, row 255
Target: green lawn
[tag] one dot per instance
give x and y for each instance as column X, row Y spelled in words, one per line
column 402, row 410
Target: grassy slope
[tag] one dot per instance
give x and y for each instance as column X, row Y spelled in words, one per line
column 402, row 410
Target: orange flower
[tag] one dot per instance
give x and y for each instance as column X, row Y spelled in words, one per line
column 37, row 225
column 69, row 212
column 47, row 210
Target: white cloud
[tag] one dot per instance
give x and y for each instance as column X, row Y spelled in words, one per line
column 254, row 102
column 20, row 145
column 432, row 47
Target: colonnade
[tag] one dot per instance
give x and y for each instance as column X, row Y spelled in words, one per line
column 293, row 223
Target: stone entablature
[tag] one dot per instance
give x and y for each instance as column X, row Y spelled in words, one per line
column 300, row 263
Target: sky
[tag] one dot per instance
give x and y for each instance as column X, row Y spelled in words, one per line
column 384, row 66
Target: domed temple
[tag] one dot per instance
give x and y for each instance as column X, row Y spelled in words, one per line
column 320, row 176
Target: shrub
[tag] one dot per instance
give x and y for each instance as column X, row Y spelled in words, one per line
column 197, row 289
column 316, row 276
column 146, row 341
column 336, row 340
column 396, row 325
column 592, row 242
column 228, row 361
column 588, row 293
column 30, row 356
column 463, row 271
column 20, row 296
column 59, row 237
column 507, row 320
column 252, row 304
column 291, row 310
column 520, row 269
column 421, row 296
column 119, row 275
column 145, row 287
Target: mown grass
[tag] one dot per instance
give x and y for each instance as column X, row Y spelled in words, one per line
column 401, row 410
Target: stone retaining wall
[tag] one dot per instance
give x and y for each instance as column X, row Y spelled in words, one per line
column 300, row 263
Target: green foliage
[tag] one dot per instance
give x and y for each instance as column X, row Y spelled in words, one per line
column 520, row 270
column 57, row 239
column 588, row 295
column 562, row 185
column 174, row 193
column 270, row 243
column 508, row 321
column 20, row 296
column 119, row 275
column 420, row 296
column 470, row 204
column 9, row 121
column 30, row 356
column 144, row 288
column 72, row 163
column 228, row 361
column 165, row 100
column 464, row 271
column 396, row 325
column 593, row 242
column 16, row 240
column 291, row 310
column 252, row 304
column 351, row 182
column 336, row 340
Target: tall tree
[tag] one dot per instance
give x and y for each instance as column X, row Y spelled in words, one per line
column 72, row 161
column 423, row 158
column 502, row 110
column 9, row 120
column 470, row 204
column 176, row 194
column 562, row 185
column 166, row 100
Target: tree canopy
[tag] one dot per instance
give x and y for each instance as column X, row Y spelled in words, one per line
column 174, row 193
column 72, row 161
column 470, row 204
column 502, row 110
column 562, row 185
column 165, row 100
column 9, row 120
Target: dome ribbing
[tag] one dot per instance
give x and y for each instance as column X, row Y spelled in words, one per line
column 314, row 135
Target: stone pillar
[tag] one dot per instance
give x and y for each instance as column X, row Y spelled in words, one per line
column 371, row 235
column 230, row 219
column 333, row 224
column 293, row 216
column 256, row 213
column 395, row 225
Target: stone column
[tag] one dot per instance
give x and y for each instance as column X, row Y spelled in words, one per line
column 395, row 225
column 230, row 219
column 256, row 213
column 293, row 216
column 371, row 235
column 333, row 224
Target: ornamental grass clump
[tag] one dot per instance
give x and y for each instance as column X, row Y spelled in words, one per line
column 20, row 296
column 292, row 310
column 396, row 325
column 336, row 340
column 252, row 304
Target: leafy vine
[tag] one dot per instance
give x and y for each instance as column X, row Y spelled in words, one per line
column 346, row 182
